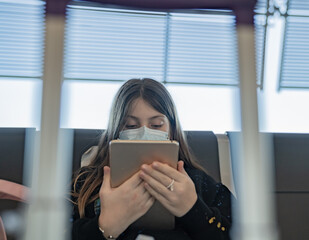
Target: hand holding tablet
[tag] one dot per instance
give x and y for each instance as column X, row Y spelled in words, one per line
column 127, row 157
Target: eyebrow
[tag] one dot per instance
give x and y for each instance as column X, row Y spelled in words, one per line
column 136, row 118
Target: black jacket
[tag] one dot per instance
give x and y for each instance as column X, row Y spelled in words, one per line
column 209, row 218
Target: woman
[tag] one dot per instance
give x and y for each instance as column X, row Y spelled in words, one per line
column 143, row 109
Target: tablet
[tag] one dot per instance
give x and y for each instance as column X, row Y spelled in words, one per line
column 126, row 158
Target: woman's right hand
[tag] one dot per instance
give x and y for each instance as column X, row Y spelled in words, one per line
column 122, row 205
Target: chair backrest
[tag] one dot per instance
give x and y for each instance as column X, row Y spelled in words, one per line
column 204, row 147
column 83, row 140
column 225, row 161
column 291, row 168
column 12, row 148
column 291, row 160
column 12, row 142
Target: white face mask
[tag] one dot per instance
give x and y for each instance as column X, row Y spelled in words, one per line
column 143, row 133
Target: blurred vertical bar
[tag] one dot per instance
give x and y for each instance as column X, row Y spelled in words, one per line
column 255, row 218
column 47, row 212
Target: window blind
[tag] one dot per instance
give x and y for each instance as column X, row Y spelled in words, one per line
column 260, row 42
column 261, row 7
column 112, row 44
column 295, row 50
column 21, row 38
column 202, row 48
column 260, row 23
column 298, row 7
column 118, row 44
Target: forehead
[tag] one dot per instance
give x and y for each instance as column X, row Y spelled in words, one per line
column 141, row 108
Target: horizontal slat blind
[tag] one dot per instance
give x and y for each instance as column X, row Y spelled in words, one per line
column 114, row 45
column 260, row 21
column 261, row 7
column 21, row 38
column 294, row 71
column 202, row 48
column 260, row 31
column 295, row 60
column 298, row 7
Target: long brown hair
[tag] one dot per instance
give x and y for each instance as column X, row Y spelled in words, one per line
column 155, row 94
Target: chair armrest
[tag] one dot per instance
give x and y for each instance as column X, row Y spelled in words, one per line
column 13, row 191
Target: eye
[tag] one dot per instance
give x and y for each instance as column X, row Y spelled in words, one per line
column 156, row 126
column 157, row 123
column 131, row 126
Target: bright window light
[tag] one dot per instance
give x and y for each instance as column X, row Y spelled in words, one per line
column 86, row 104
column 20, row 103
column 209, row 108
column 284, row 110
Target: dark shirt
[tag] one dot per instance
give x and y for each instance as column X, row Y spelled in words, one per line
column 209, row 218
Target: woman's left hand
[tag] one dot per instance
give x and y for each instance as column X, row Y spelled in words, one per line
column 180, row 197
